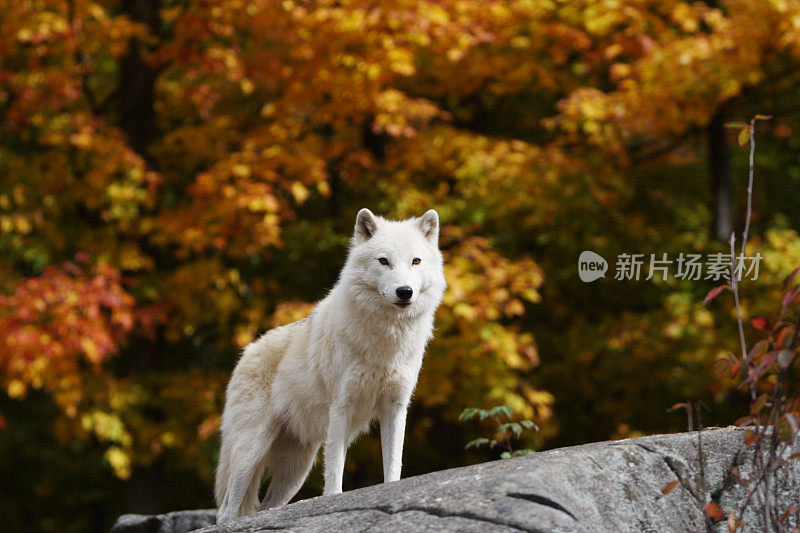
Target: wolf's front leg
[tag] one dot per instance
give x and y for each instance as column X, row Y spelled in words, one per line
column 393, row 427
column 336, row 447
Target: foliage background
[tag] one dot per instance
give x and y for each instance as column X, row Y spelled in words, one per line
column 175, row 177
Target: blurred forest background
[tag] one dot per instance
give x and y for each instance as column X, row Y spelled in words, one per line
column 176, row 177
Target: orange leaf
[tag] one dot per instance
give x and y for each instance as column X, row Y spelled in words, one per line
column 733, row 524
column 714, row 511
column 760, row 323
column 669, row 486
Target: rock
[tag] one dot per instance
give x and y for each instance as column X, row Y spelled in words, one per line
column 605, row 486
column 177, row 522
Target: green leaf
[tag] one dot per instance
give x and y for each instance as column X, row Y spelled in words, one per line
column 527, row 424
column 503, row 409
column 476, row 443
column 744, row 136
column 484, row 414
column 735, row 125
column 762, row 117
column 513, row 427
column 467, row 413
column 526, row 451
column 505, row 455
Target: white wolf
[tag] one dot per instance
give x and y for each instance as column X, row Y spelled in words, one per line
column 324, row 378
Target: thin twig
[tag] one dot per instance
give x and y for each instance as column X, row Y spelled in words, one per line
column 738, row 265
column 735, row 290
column 508, row 439
column 749, row 190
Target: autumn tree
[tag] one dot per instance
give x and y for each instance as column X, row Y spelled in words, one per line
column 179, row 176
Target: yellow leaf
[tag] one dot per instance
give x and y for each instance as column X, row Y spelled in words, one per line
column 241, row 171
column 299, row 192
column 401, row 61
column 268, row 110
column 120, row 462
column 15, row 389
column 90, row 349
column 324, row 188
column 168, row 438
column 247, row 86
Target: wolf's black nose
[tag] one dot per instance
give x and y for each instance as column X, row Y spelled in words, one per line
column 405, row 292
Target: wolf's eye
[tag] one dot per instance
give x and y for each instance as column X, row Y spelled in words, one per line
column 415, row 261
column 383, row 260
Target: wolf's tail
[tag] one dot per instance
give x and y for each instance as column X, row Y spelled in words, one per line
column 246, row 428
column 248, row 502
column 221, row 476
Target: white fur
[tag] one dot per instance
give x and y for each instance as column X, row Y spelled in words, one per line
column 324, row 378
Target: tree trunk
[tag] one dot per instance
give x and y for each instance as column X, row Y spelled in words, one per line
column 137, row 115
column 719, row 164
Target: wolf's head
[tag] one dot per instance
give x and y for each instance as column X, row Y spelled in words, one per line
column 395, row 265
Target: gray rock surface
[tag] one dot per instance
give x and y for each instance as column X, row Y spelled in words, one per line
column 177, row 522
column 605, row 486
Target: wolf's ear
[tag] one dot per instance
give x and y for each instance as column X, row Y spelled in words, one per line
column 428, row 224
column 366, row 226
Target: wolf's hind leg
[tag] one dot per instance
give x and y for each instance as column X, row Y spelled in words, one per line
column 250, row 501
column 290, row 461
column 244, row 477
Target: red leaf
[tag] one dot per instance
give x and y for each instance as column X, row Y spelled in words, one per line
column 790, row 510
column 714, row 292
column 679, row 405
column 757, row 349
column 759, row 404
column 784, row 334
column 721, row 365
column 769, row 358
column 790, row 277
column 785, row 358
column 714, row 511
column 669, row 486
column 756, row 372
column 760, row 323
column 789, row 296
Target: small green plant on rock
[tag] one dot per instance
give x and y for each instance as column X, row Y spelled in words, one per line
column 504, row 431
